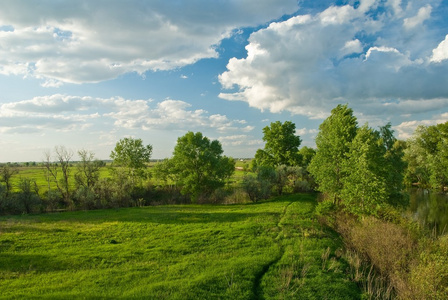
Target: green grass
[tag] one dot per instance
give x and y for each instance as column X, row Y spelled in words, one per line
column 269, row 250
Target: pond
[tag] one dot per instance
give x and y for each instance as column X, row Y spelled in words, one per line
column 430, row 209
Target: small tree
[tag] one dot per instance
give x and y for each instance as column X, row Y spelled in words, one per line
column 132, row 155
column 28, row 194
column 6, row 174
column 63, row 158
column 88, row 169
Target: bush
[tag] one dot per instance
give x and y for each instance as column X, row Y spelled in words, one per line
column 256, row 188
column 429, row 278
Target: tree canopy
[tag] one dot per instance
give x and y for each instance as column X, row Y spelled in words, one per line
column 427, row 156
column 282, row 145
column 333, row 143
column 199, row 165
column 132, row 154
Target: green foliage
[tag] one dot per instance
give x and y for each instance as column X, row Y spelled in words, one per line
column 306, row 155
column 130, row 153
column 6, row 174
column 28, row 196
column 199, row 166
column 427, row 156
column 256, row 188
column 394, row 164
column 429, row 277
column 333, row 143
column 364, row 186
column 282, row 145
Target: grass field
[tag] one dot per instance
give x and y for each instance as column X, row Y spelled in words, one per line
column 37, row 173
column 269, row 250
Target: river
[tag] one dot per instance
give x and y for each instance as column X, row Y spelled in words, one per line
column 430, row 209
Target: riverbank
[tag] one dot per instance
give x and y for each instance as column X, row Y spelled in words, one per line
column 395, row 258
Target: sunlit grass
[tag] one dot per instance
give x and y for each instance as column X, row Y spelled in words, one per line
column 172, row 252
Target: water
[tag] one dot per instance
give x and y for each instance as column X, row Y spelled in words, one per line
column 430, row 209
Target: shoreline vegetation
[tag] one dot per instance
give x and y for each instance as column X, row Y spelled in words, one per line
column 252, row 229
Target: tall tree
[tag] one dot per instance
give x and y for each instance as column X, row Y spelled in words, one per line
column 333, row 144
column 364, row 185
column 282, row 145
column 199, row 165
column 393, row 160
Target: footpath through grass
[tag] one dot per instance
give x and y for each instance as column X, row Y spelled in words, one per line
column 269, row 250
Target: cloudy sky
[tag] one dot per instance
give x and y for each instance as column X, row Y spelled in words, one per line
column 84, row 74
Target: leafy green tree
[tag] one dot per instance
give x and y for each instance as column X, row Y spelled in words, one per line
column 199, row 166
column 364, row 186
column 333, row 144
column 427, row 156
column 306, row 155
column 282, row 145
column 393, row 160
column 131, row 154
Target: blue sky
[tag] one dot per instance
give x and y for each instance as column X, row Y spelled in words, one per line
column 84, row 74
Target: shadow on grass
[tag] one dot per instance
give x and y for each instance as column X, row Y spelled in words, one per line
column 169, row 214
column 24, row 263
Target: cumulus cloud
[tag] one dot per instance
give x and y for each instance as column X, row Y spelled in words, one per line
column 92, row 41
column 372, row 56
column 73, row 113
column 441, row 52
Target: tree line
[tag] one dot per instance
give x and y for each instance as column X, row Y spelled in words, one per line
column 359, row 168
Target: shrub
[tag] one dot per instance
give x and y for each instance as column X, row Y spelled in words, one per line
column 429, row 277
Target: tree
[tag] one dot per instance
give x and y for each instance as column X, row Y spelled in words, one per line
column 28, row 194
column 364, row 186
column 333, row 144
column 88, row 169
column 6, row 173
column 427, row 156
column 306, row 155
column 131, row 154
column 63, row 158
column 393, row 160
column 282, row 145
column 199, row 166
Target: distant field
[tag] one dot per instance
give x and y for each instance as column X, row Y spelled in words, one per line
column 37, row 173
column 270, row 250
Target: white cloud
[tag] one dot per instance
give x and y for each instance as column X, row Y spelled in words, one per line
column 441, row 52
column 352, row 47
column 361, row 56
column 240, row 141
column 92, row 41
column 423, row 14
column 73, row 113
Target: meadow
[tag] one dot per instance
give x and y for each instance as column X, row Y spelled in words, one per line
column 274, row 249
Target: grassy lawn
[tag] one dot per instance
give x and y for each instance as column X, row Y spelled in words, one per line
column 269, row 250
